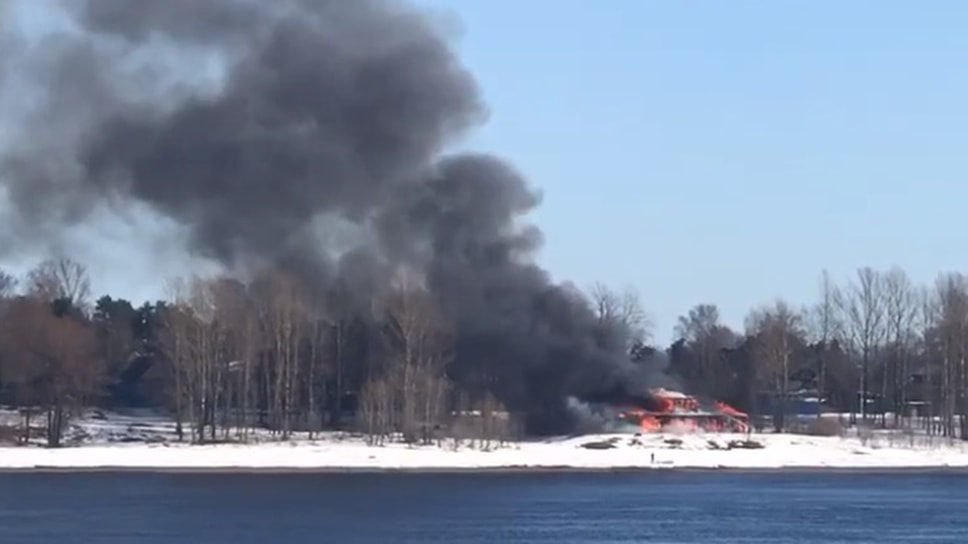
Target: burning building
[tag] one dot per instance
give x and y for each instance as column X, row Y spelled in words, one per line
column 675, row 410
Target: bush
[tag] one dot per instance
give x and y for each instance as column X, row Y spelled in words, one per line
column 865, row 433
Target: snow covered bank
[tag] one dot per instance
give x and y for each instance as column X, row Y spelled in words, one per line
column 145, row 443
column 779, row 451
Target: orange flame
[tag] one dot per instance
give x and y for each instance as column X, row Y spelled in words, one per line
column 649, row 424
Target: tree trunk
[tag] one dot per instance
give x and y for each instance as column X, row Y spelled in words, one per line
column 26, row 438
column 55, row 425
column 337, row 413
column 821, row 377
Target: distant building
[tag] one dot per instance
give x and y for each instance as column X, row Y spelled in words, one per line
column 797, row 403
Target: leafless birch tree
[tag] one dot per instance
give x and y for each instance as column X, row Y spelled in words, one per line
column 926, row 327
column 620, row 314
column 284, row 315
column 706, row 337
column 863, row 309
column 952, row 294
column 175, row 337
column 825, row 326
column 419, row 342
column 63, row 279
column 775, row 328
column 901, row 312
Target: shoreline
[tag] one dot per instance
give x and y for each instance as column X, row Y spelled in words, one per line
column 139, row 445
column 444, row 471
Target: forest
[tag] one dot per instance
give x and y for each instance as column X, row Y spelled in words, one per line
column 223, row 356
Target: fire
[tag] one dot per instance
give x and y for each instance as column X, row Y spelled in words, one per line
column 672, row 409
column 649, row 424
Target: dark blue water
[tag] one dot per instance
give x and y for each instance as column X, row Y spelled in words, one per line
column 476, row 508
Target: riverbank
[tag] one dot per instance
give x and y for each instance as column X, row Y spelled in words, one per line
column 599, row 452
column 145, row 441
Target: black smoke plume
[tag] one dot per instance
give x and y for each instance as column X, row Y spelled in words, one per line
column 308, row 134
column 619, row 395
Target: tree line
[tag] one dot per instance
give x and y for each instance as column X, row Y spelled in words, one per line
column 877, row 346
column 224, row 357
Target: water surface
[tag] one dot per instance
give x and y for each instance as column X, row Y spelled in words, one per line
column 666, row 506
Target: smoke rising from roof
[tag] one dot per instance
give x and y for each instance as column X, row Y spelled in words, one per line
column 309, row 134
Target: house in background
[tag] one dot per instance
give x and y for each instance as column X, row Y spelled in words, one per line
column 803, row 397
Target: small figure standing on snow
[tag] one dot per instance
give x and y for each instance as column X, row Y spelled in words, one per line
column 653, row 458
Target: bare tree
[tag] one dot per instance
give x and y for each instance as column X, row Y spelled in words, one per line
column 376, row 414
column 621, row 316
column 8, row 285
column 341, row 310
column 863, row 308
column 493, row 422
column 776, row 329
column 927, row 320
column 701, row 322
column 222, row 343
column 825, row 326
column 315, row 334
column 706, row 338
column 175, row 335
column 61, row 279
column 249, row 345
column 237, row 340
column 419, row 342
column 198, row 365
column 284, row 315
column 952, row 293
column 18, row 373
column 59, row 369
column 901, row 312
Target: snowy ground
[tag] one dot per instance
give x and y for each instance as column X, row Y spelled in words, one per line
column 145, row 441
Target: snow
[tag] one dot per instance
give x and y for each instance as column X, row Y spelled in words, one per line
column 147, row 442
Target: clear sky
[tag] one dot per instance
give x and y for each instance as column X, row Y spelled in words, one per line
column 727, row 151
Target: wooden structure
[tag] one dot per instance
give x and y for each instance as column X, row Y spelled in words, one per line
column 676, row 410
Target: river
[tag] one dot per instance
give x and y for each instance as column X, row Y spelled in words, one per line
column 655, row 507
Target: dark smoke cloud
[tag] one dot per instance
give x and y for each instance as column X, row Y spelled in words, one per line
column 327, row 128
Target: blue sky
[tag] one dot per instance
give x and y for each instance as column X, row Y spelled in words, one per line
column 726, row 152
